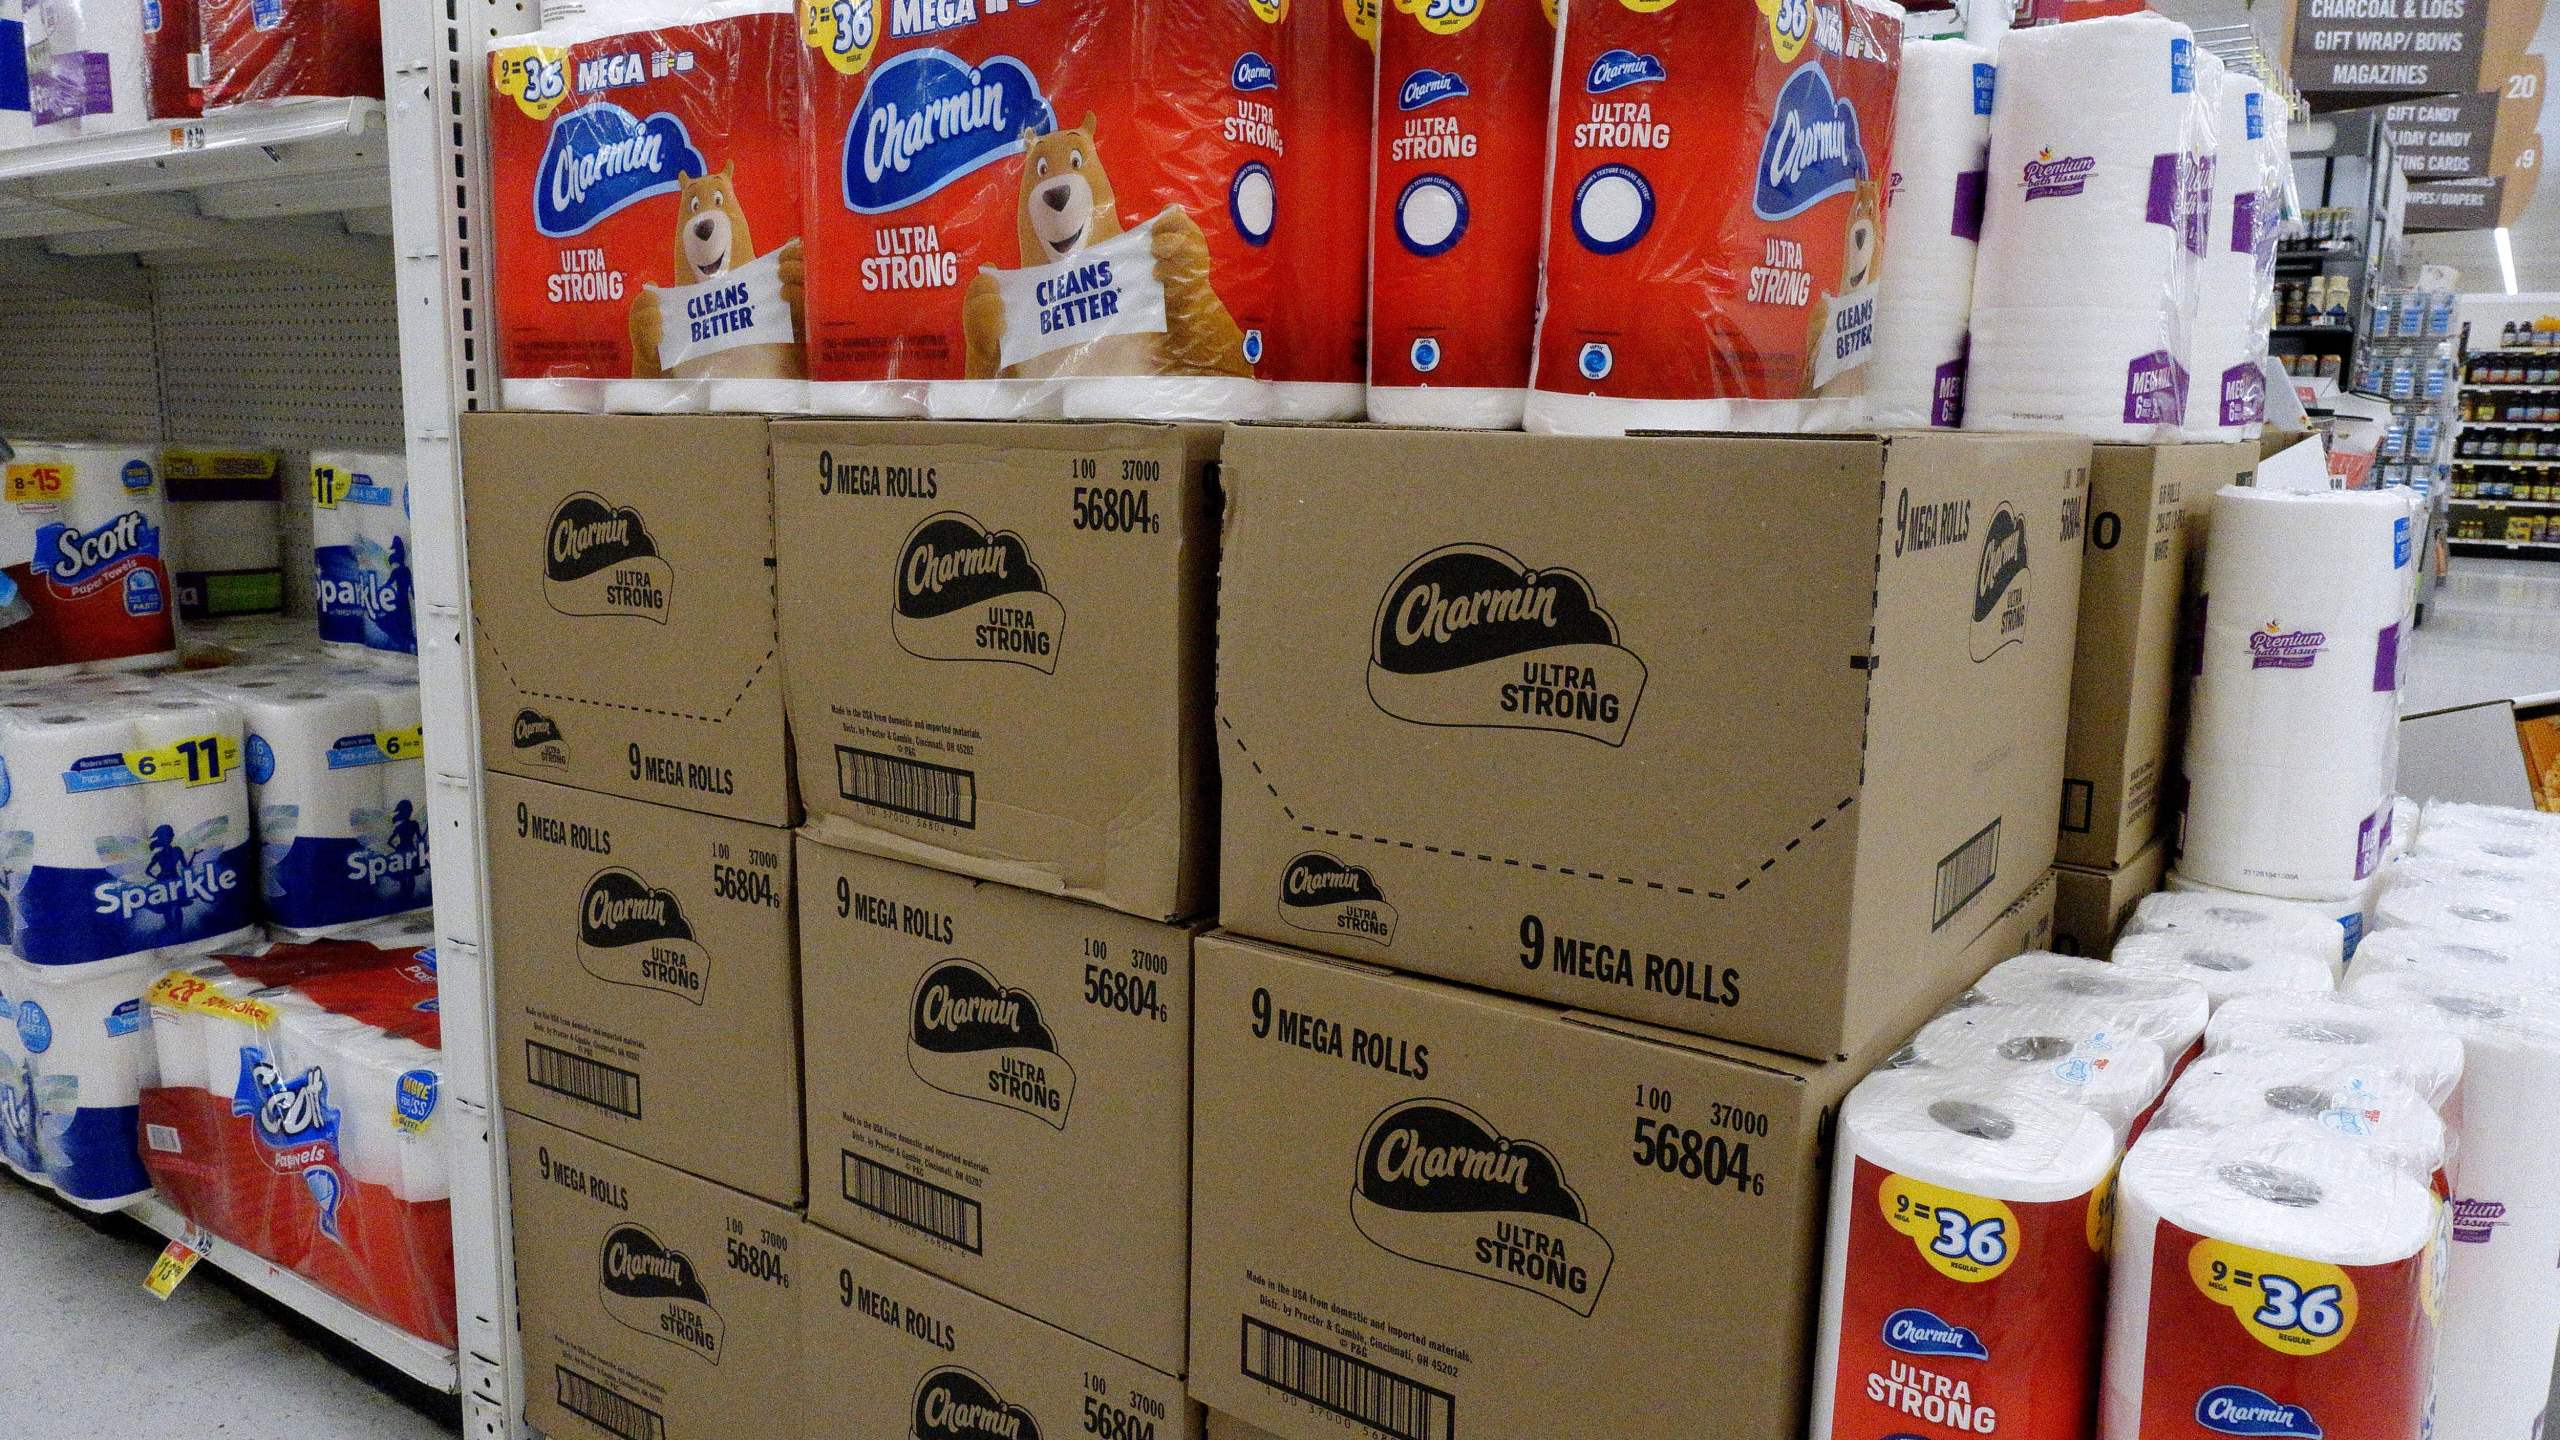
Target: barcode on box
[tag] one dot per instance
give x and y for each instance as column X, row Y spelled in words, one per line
column 1325, row 1377
column 1966, row 872
column 908, row 787
column 609, row 1409
column 604, row 1086
column 947, row 1216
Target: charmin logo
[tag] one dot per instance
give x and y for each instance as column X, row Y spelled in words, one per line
column 972, row 1036
column 2047, row 178
column 603, row 159
column 2276, row 648
column 1428, row 87
column 2000, row 586
column 67, row 556
column 632, row 934
column 1254, row 72
column 1813, row 150
column 1439, row 1184
column 2239, row 1410
column 1467, row 635
column 1325, row 895
column 1921, row 1332
column 954, row 1404
column 2476, row 1222
column 538, row 741
column 928, row 118
column 965, row 593
column 651, row 1287
column 1616, row 70
column 600, row 560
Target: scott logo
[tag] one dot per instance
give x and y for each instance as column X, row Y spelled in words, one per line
column 954, row 1404
column 1615, row 70
column 1813, row 150
column 632, row 934
column 1254, row 72
column 1321, row 893
column 601, row 560
column 652, row 1287
column 1920, row 1332
column 1439, row 1184
column 2000, row 586
column 927, row 118
column 289, row 1113
column 965, row 593
column 1468, row 635
column 972, row 1036
column 66, row 555
column 602, row 159
column 2239, row 1410
column 1427, row 87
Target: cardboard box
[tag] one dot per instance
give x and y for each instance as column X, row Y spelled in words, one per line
column 2090, row 907
column 1221, row 1426
column 650, row 1303
column 998, row 650
column 892, row 1351
column 2131, row 583
column 1447, row 1215
column 1746, row 736
column 647, row 992
column 999, row 1091
column 622, row 607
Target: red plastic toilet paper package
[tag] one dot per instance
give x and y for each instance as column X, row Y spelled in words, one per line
column 84, row 575
column 1715, row 213
column 1043, row 209
column 286, row 49
column 173, row 47
column 1319, row 347
column 646, row 215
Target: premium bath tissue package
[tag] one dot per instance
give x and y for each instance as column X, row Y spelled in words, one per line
column 84, row 539
column 86, row 73
column 648, row 248
column 360, row 552
column 1714, row 239
column 1461, row 144
column 1933, row 210
column 75, row 1056
column 1044, row 211
column 2235, row 277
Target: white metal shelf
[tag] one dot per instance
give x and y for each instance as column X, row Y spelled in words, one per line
column 2512, row 424
column 2482, row 502
column 2504, row 544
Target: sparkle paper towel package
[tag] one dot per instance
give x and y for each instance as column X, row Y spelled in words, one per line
column 1933, row 209
column 366, row 591
column 1715, row 216
column 671, row 277
column 83, row 537
column 84, row 1057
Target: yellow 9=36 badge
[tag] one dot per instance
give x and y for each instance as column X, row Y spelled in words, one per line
column 536, row 77
column 2291, row 1306
column 845, row 33
column 1971, row 1238
column 1443, row 17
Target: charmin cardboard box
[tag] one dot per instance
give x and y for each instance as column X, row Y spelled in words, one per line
column 652, row 1305
column 622, row 607
column 1438, row 1214
column 1221, row 1426
column 2131, row 582
column 2090, row 907
column 891, row 1351
column 1743, row 736
column 997, row 645
column 647, row 993
column 999, row 1091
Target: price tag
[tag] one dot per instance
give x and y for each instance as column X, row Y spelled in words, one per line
column 36, row 484
column 175, row 1262
column 1967, row 1238
column 187, row 137
column 2291, row 1306
column 197, row 760
column 181, row 991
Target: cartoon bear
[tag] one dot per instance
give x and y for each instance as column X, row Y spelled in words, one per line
column 712, row 238
column 1861, row 254
column 1067, row 205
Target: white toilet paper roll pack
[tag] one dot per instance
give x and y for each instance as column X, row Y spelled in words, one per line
column 2452, row 820
column 84, row 1033
column 201, row 861
column 1961, row 1284
column 2302, row 1030
column 2404, row 825
column 2169, row 1011
column 2227, row 964
column 2232, row 912
column 2330, row 1095
column 2486, row 912
column 2228, row 401
column 1933, row 217
column 2470, row 961
column 17, row 1086
column 2049, row 1050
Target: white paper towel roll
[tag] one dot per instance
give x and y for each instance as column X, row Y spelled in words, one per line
column 2233, row 913
column 2330, row 1094
column 2349, row 915
column 1933, row 215
column 2228, row 401
column 2404, row 825
column 2168, row 1011
column 1960, row 1243
column 2270, row 1279
column 2052, row 1050
column 2227, row 966
column 2304, row 1030
column 202, row 847
column 360, row 543
column 17, row 1085
column 84, row 1033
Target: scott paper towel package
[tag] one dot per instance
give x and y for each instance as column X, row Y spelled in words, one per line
column 1933, row 203
column 1044, row 211
column 2269, row 1281
column 2054, row 1050
column 360, row 551
column 261, row 50
column 71, row 1082
column 1319, row 350
column 2240, row 915
column 2296, row 706
column 83, row 539
column 2088, row 236
column 2228, row 965
column 649, row 255
column 1461, row 188
column 296, row 1115
column 1962, row 1288
column 226, row 530
column 2167, row 1010
column 2329, row 1029
column 2331, row 1095
column 85, row 69
column 1713, row 242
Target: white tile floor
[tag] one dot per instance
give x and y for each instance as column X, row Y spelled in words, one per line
column 84, row 1353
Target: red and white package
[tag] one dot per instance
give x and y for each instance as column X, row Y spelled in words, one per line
column 298, row 1116
column 258, row 50
column 1715, row 214
column 173, row 49
column 645, row 171
column 1022, row 210
column 1461, row 189
column 1319, row 353
column 84, row 570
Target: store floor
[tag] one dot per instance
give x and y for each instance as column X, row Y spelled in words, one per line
column 2491, row 631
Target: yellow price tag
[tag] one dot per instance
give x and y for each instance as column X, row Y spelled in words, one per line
column 398, row 745
column 1443, row 17
column 845, row 33
column 1790, row 24
column 173, row 1264
column 218, row 464
column 2291, row 1306
column 329, row 485
column 1363, row 18
column 1271, row 12
column 536, row 77
column 196, row 760
column 38, row 484
column 189, row 994
column 1971, row 1238
column 1650, row 7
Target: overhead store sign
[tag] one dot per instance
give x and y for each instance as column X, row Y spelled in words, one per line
column 2358, row 51
column 2471, row 159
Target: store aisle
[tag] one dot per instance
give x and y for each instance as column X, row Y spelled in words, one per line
column 2491, row 632
column 83, row 1356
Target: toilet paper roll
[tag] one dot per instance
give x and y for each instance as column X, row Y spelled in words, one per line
column 85, row 1035
column 2168, row 1011
column 2523, row 965
column 2231, row 912
column 370, row 1137
column 2230, row 333
column 2116, row 1074
column 2447, row 828
column 199, row 861
column 1962, row 1217
column 2268, row 1281
column 2300, row 1031
column 2472, row 901
column 2523, row 881
column 2227, row 965
column 2275, row 1092
column 992, row 400
column 1933, row 214
column 2404, row 825
column 2350, row 915
column 71, row 825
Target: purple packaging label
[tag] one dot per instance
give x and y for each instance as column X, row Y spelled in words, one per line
column 2161, row 208
column 2195, row 203
column 2476, row 1222
column 2054, row 177
column 1985, row 81
column 2244, row 223
column 2274, row 649
column 2369, row 842
column 1972, row 187
column 1946, row 395
column 2155, row 390
column 2386, row 673
column 97, row 84
column 58, row 90
column 2244, row 395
